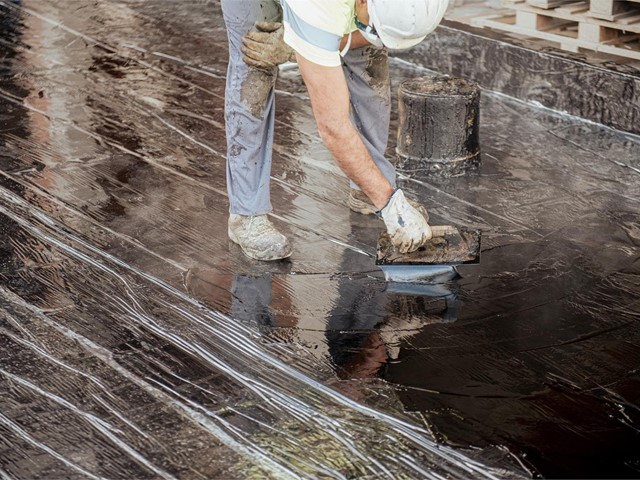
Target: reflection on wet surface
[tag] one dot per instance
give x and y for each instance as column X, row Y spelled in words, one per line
column 138, row 343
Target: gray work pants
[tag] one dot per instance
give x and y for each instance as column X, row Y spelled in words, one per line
column 250, row 108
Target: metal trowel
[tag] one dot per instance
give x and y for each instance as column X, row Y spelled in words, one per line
column 434, row 262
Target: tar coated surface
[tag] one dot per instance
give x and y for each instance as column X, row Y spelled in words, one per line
column 138, row 343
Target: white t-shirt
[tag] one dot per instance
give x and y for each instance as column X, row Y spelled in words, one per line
column 314, row 28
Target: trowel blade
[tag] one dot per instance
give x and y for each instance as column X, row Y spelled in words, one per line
column 418, row 273
column 435, row 262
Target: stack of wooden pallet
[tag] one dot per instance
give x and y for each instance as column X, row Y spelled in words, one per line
column 608, row 26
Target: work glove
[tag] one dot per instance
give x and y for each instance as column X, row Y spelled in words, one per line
column 266, row 48
column 406, row 225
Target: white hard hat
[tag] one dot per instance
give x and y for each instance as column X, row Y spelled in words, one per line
column 405, row 23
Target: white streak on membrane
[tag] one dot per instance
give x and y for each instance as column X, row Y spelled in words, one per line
column 122, row 418
column 15, row 428
column 102, row 426
column 40, row 351
column 241, row 340
column 87, row 218
column 106, row 356
column 470, row 204
column 13, row 99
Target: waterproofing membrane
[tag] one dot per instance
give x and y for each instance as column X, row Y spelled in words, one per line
column 138, row 343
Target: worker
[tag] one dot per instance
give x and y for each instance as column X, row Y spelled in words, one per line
column 341, row 50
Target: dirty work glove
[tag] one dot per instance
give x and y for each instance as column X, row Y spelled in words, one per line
column 406, row 225
column 266, row 48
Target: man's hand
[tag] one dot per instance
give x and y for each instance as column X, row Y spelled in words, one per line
column 406, row 225
column 266, row 48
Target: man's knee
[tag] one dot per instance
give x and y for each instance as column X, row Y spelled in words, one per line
column 257, row 90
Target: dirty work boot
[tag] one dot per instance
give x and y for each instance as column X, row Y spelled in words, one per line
column 258, row 238
column 360, row 203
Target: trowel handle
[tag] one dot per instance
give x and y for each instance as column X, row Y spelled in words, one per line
column 443, row 230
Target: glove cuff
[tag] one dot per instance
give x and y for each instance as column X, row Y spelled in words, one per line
column 380, row 212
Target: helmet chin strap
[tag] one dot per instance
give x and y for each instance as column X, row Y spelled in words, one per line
column 346, row 47
column 372, row 38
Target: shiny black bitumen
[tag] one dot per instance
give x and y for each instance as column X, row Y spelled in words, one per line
column 137, row 342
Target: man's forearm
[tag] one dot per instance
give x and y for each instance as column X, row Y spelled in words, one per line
column 354, row 159
column 329, row 94
column 330, row 102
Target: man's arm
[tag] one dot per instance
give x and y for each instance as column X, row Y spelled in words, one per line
column 330, row 102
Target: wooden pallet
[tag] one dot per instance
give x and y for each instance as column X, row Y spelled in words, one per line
column 614, row 10
column 571, row 26
column 547, row 4
column 580, row 12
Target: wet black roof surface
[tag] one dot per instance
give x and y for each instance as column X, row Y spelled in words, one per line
column 137, row 342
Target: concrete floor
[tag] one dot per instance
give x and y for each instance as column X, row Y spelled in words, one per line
column 139, row 343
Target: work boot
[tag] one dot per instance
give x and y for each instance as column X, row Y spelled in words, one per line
column 258, row 238
column 360, row 203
